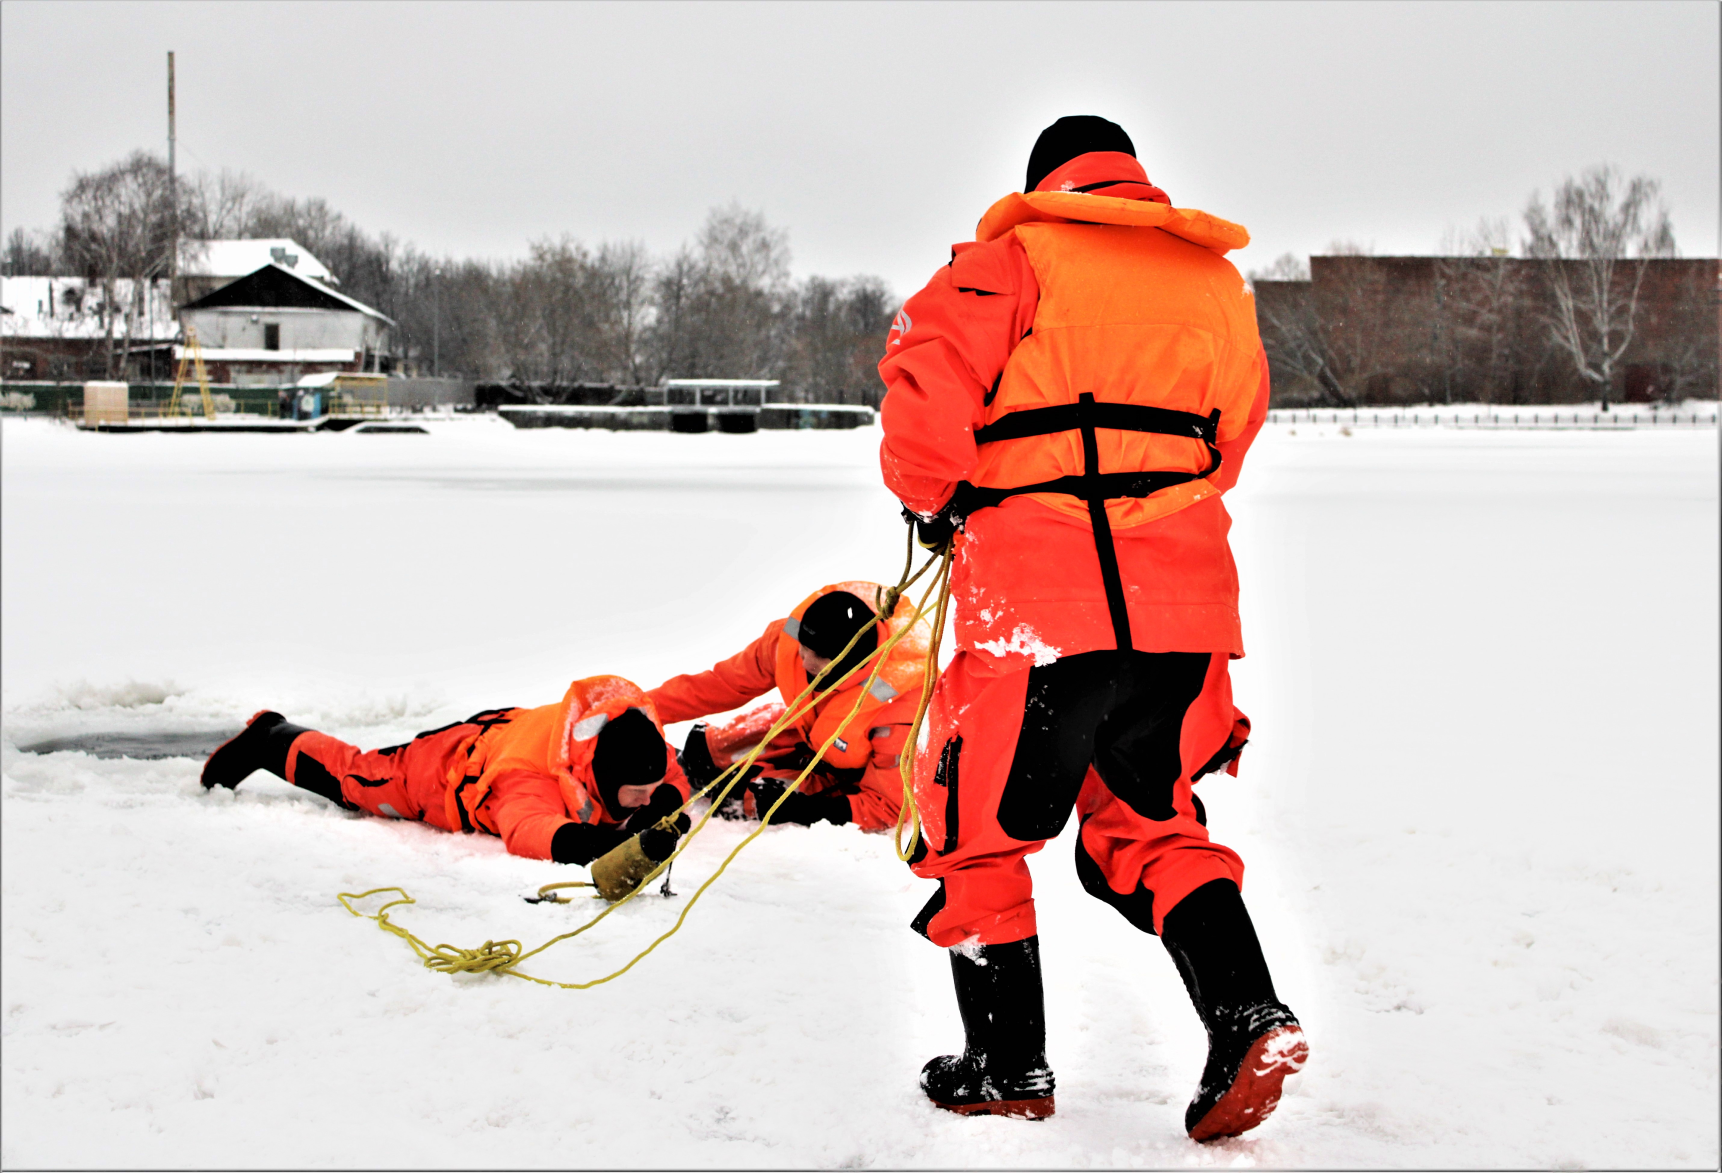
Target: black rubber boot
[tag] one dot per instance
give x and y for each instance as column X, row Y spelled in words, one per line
column 1254, row 1040
column 1002, row 1070
column 261, row 745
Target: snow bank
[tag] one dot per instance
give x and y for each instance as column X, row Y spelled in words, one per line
column 1479, row 814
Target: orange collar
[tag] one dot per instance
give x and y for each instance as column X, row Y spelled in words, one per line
column 1110, row 173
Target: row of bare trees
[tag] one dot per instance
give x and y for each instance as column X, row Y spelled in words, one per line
column 1480, row 323
column 723, row 306
column 116, row 229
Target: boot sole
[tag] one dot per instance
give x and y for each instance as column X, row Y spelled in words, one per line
column 203, row 776
column 1256, row 1092
column 1036, row 1109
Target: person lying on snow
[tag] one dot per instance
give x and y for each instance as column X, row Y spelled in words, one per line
column 857, row 781
column 569, row 782
column 1067, row 399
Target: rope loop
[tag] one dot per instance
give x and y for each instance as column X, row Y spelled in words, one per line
column 491, row 955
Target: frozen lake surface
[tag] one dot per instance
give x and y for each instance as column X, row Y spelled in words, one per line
column 1480, row 814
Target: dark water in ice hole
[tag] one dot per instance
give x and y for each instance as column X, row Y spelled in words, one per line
column 146, row 746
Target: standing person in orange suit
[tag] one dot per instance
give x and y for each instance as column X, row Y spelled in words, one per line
column 858, row 780
column 567, row 782
column 1067, row 400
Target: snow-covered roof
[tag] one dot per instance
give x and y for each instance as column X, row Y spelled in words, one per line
column 233, row 295
column 236, row 258
column 70, row 307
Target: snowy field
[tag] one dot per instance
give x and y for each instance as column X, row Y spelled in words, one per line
column 1480, row 815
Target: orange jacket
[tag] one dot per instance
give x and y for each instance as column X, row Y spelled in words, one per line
column 865, row 742
column 527, row 774
column 1063, row 294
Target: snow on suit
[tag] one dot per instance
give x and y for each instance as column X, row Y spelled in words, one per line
column 863, row 760
column 1098, row 350
column 521, row 774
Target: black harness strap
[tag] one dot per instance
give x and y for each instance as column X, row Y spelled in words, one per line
column 1103, row 545
column 1118, row 417
column 1093, row 486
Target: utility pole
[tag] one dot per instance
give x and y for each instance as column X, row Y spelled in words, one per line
column 436, row 327
column 172, row 181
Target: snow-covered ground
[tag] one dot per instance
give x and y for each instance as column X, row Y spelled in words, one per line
column 1480, row 814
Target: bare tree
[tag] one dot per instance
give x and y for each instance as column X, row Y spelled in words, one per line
column 724, row 306
column 29, row 254
column 1296, row 341
column 1598, row 232
column 672, row 339
column 738, row 247
column 1310, row 328
column 720, row 308
column 1285, row 267
column 837, row 333
column 744, row 275
column 1303, row 325
column 1692, row 370
column 225, row 206
column 118, row 224
column 1479, row 289
column 625, row 273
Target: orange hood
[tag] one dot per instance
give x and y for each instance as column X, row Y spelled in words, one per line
column 588, row 706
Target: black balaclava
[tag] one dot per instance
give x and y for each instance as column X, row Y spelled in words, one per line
column 630, row 752
column 1069, row 137
column 829, row 623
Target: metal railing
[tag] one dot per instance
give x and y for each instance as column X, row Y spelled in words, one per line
column 189, row 410
column 346, row 405
column 1542, row 417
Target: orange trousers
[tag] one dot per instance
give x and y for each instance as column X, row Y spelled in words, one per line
column 1118, row 736
column 408, row 781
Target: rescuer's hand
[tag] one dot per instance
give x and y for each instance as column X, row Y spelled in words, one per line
column 657, row 842
column 805, row 809
column 932, row 535
column 696, row 758
column 733, row 805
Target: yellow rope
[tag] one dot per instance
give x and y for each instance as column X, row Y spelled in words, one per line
column 503, row 956
column 909, row 813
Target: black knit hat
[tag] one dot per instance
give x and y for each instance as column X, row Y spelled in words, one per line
column 1069, row 137
column 831, row 621
column 630, row 752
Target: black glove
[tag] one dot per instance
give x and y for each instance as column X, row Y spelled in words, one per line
column 695, row 759
column 731, row 807
column 933, row 535
column 581, row 843
column 804, row 809
column 656, row 842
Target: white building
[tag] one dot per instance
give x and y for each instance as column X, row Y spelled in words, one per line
column 275, row 325
column 266, row 312
column 64, row 327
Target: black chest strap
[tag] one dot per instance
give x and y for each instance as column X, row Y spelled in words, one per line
column 1093, row 486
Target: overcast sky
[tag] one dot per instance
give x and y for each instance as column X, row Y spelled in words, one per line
column 876, row 134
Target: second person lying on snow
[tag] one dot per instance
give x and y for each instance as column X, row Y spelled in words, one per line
column 572, row 782
column 857, row 779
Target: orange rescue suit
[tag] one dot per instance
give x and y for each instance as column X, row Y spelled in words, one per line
column 1065, row 295
column 1094, row 348
column 520, row 774
column 863, row 758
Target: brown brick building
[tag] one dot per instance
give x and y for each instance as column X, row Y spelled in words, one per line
column 1476, row 329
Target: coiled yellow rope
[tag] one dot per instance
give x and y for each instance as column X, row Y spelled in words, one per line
column 504, row 956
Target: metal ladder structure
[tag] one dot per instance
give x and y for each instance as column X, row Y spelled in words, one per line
column 191, row 356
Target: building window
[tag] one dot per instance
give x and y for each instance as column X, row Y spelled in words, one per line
column 271, row 336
